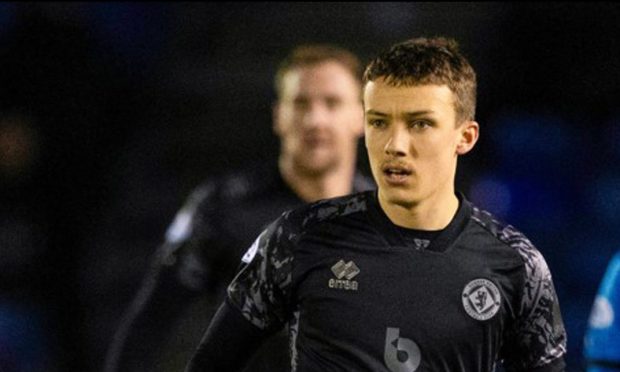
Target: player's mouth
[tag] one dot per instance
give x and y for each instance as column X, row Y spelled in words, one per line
column 315, row 141
column 396, row 174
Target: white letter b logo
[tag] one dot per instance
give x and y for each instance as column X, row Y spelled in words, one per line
column 401, row 354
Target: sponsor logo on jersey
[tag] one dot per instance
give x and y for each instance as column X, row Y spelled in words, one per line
column 602, row 315
column 344, row 272
column 481, row 299
column 401, row 354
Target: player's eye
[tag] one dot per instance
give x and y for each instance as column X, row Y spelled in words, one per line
column 333, row 102
column 301, row 104
column 377, row 123
column 419, row 124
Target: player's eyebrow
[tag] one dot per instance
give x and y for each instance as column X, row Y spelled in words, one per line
column 376, row 113
column 411, row 114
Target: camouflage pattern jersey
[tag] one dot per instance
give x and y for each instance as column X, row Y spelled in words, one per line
column 358, row 296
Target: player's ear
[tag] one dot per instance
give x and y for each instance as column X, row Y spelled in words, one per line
column 469, row 131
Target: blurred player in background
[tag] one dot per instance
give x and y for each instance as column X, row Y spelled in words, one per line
column 318, row 118
column 602, row 342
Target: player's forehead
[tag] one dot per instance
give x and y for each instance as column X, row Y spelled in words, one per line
column 383, row 97
column 329, row 78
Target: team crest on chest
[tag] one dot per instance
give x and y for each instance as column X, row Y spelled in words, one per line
column 481, row 299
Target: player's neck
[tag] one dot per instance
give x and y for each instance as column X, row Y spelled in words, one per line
column 311, row 187
column 433, row 213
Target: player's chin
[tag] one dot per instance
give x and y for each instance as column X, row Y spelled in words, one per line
column 318, row 161
column 317, row 165
column 398, row 195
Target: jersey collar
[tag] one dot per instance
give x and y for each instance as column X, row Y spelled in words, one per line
column 441, row 243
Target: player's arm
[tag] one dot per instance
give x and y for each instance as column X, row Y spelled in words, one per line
column 536, row 341
column 257, row 305
column 176, row 276
column 228, row 344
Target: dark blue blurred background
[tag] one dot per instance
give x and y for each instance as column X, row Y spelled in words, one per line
column 110, row 113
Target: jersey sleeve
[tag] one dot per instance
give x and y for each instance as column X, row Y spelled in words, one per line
column 228, row 344
column 536, row 341
column 261, row 290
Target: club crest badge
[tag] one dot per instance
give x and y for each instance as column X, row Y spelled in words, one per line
column 481, row 299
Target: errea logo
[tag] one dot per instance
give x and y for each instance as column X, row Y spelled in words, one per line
column 344, row 272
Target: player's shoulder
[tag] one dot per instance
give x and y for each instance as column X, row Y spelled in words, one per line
column 510, row 237
column 499, row 229
column 236, row 185
column 328, row 210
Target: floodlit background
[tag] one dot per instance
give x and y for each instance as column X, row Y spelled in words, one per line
column 110, row 113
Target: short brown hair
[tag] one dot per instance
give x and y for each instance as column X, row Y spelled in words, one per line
column 423, row 61
column 314, row 54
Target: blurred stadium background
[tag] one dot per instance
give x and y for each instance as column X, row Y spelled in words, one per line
column 110, row 113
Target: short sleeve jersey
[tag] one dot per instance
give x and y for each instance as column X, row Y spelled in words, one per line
column 359, row 297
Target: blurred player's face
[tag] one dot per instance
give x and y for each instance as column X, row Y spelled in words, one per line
column 319, row 117
column 413, row 141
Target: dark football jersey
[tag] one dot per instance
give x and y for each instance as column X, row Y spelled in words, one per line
column 198, row 260
column 360, row 297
